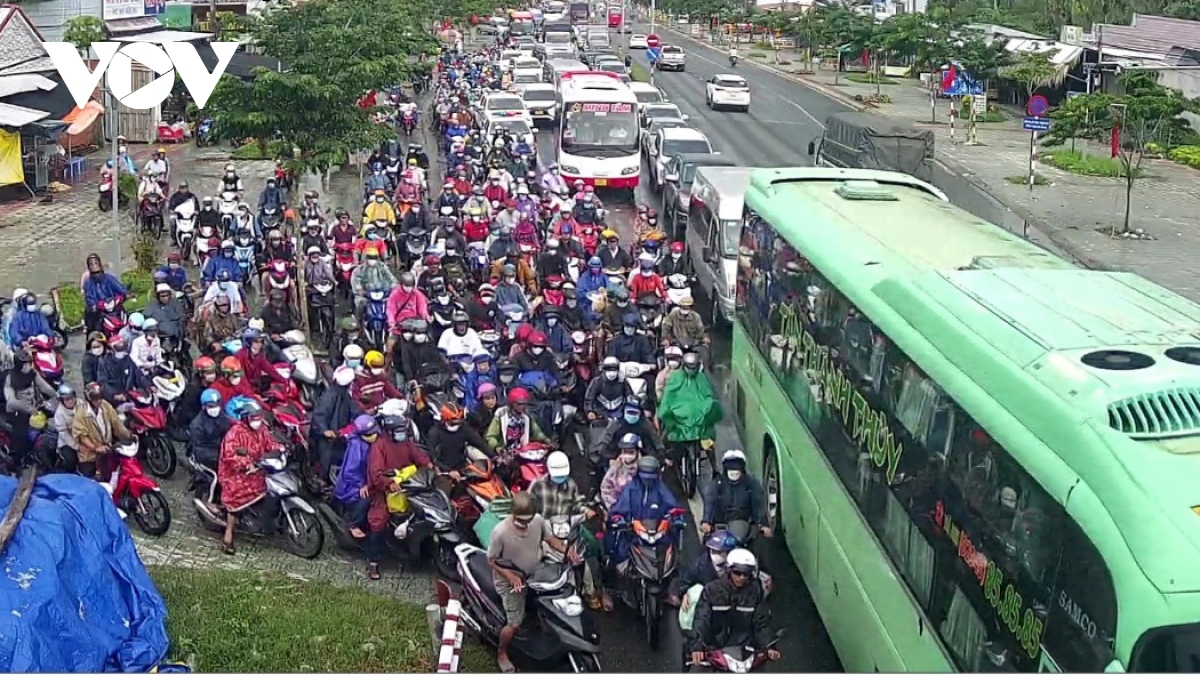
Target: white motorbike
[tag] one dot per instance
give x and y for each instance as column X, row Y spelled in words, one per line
column 678, row 289
column 634, row 374
column 228, row 208
column 185, row 227
column 304, row 364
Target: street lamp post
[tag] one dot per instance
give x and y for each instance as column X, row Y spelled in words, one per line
column 115, row 115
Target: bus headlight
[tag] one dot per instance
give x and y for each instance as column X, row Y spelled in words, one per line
column 568, row 169
column 629, row 171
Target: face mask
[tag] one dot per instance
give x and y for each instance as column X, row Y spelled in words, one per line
column 98, row 351
column 630, row 330
column 718, row 559
column 400, row 436
column 559, row 480
column 421, row 338
column 407, row 287
column 734, row 474
column 371, row 262
column 209, row 378
column 537, row 351
column 353, row 363
column 467, row 366
column 406, row 337
column 684, row 311
column 223, row 285
column 120, row 353
column 647, row 271
column 673, row 364
column 623, row 303
column 506, row 378
column 611, row 375
column 522, row 524
column 227, row 253
column 676, row 256
column 256, row 424
column 214, row 411
column 235, row 380
column 377, row 371
column 632, row 419
column 486, row 299
column 453, row 427
column 648, row 477
column 379, row 200
column 572, row 303
column 510, row 280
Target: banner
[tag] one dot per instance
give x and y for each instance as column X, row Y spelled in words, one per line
column 11, row 171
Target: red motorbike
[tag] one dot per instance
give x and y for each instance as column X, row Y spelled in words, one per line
column 409, row 122
column 46, row 358
column 589, row 236
column 112, row 315
column 148, row 420
column 137, row 494
column 344, row 263
column 531, row 464
column 742, row 659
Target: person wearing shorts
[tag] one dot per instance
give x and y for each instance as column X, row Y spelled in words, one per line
column 515, row 553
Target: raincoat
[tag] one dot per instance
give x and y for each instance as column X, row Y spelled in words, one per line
column 26, row 324
column 354, row 470
column 241, row 488
column 689, row 409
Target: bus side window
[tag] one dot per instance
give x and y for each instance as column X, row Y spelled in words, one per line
column 1082, row 621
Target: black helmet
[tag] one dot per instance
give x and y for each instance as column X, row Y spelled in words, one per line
column 649, row 464
column 391, row 423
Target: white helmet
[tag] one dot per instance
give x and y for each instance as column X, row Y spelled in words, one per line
column 733, row 456
column 741, row 560
column 343, row 376
column 256, row 323
column 676, row 352
column 557, row 464
column 19, row 293
column 352, row 352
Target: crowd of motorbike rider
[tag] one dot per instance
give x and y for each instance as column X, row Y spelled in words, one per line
column 485, row 309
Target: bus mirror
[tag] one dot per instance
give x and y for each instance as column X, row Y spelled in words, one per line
column 812, row 148
column 684, row 117
column 707, row 254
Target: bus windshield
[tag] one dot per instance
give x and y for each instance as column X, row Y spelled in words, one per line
column 600, row 130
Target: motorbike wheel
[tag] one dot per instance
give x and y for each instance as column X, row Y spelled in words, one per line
column 584, row 663
column 160, row 456
column 152, row 513
column 309, row 538
column 689, row 472
column 651, row 615
column 105, row 204
column 445, row 561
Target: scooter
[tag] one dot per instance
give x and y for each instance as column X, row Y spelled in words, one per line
column 304, row 366
column 740, row 659
column 112, row 315
column 204, row 132
column 321, row 302
column 652, row 561
column 344, row 263
column 531, row 464
column 636, row 375
column 678, row 288
column 148, row 421
column 296, row 519
column 228, row 209
column 185, row 227
column 268, row 218
column 46, row 359
column 136, row 493
column 566, row 630
column 375, row 319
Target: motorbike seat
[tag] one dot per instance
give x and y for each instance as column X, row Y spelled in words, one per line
column 481, row 571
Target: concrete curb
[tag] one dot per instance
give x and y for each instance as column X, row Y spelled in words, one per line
column 1038, row 225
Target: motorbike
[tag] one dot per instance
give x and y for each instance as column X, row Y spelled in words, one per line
column 375, row 320
column 112, row 315
column 228, row 209
column 269, row 218
column 303, row 365
column 105, row 195
column 738, row 659
column 689, row 464
column 652, row 561
column 296, row 519
column 567, row 530
column 279, row 278
column 483, row 487
column 148, row 421
column 344, row 263
column 169, row 385
column 321, row 302
column 245, row 253
column 733, row 60
column 205, row 132
column 46, row 359
column 409, row 122
column 185, row 228
column 150, row 216
column 566, row 630
column 637, row 375
column 531, row 464
column 678, row 288
column 137, row 494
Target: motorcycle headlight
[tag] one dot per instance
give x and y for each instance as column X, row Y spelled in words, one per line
column 568, row 169
column 571, row 606
column 629, row 171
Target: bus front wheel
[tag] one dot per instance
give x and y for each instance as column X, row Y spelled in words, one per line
column 771, row 485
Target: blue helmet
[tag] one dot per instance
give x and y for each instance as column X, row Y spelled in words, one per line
column 65, row 391
column 210, row 397
column 723, row 541
column 595, row 262
column 223, row 275
column 250, row 335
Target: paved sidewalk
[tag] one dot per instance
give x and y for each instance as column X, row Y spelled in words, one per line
column 1075, row 213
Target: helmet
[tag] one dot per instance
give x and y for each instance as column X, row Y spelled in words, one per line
column 595, row 262
column 691, row 361
column 210, row 397
column 677, row 247
column 486, row 389
column 373, row 359
column 349, row 324
column 250, row 335
column 65, row 391
column 452, row 412
column 538, row 339
column 558, row 465
column 610, row 362
column 343, row 376
column 352, row 352
column 733, row 458
column 365, row 425
column 204, row 364
column 150, row 324
column 518, row 395
column 649, row 464
column 629, row 440
column 230, row 365
column 721, row 540
column 248, row 408
column 742, row 561
column 609, row 234
column 137, row 320
column 673, row 352
column 392, row 423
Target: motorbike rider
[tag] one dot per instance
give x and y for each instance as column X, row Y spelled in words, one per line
column 538, row 357
column 278, row 318
column 480, row 417
column 317, row 269
column 225, row 262
column 448, row 198
column 372, row 275
column 609, row 386
column 95, row 349
column 704, row 568
column 478, row 200
column 733, row 611
column 24, row 393
column 353, row 486
column 450, row 236
column 550, row 322
column 379, row 208
column 683, row 327
column 552, row 262
column 455, row 444
column 405, row 302
column 314, row 237
column 646, row 497
column 231, row 182
column 28, row 322
column 146, row 349
column 553, row 180
column 208, row 215
column 95, row 427
column 343, row 231
column 278, row 248
column 172, row 273
column 611, row 255
column 591, row 280
column 734, row 498
column 673, row 356
column 556, row 495
column 572, row 314
column 461, row 338
column 621, row 471
column 233, row 381
column 149, row 188
column 217, row 326
column 630, row 345
column 243, row 483
column 646, row 281
column 117, row 373
column 98, row 286
column 271, row 197
column 351, row 334
column 182, row 195
column 66, row 451
column 631, row 421
column 205, row 433
column 688, row 410
column 421, row 355
column 392, row 452
column 674, row 262
column 331, row 418
column 515, row 553
column 502, row 243
column 372, row 383
column 507, row 217
column 733, row 54
column 521, row 271
column 203, row 376
column 512, row 427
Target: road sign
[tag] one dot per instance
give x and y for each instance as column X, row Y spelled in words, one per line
column 652, row 41
column 1036, row 124
column 1037, row 106
column 979, row 104
column 652, row 53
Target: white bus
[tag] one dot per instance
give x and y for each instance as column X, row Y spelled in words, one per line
column 597, row 139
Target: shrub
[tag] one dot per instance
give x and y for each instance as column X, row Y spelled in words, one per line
column 1188, row 155
column 1086, row 165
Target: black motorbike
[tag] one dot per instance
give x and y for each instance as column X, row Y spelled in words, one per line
column 322, row 299
column 646, row 574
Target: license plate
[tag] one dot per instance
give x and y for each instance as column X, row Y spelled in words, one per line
column 601, row 182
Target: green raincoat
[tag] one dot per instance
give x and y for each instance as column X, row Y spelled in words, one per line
column 689, row 409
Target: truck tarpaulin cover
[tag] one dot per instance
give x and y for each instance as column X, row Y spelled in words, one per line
column 865, row 141
column 75, row 597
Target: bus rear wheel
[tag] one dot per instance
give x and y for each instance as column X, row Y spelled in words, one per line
column 771, row 487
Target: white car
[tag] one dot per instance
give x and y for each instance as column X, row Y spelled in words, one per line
column 647, row 93
column 638, row 41
column 666, row 143
column 516, row 126
column 501, row 103
column 526, row 76
column 728, row 91
column 540, row 101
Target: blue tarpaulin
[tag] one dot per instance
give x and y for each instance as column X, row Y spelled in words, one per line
column 75, row 597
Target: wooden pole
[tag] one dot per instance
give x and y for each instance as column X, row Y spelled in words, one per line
column 302, row 292
column 16, row 509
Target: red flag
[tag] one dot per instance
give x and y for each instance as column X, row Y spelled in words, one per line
column 949, row 75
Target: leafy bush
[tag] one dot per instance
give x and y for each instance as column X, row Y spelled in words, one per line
column 127, row 187
column 249, row 151
column 1086, row 165
column 757, row 55
column 1188, row 155
column 145, row 252
column 763, row 44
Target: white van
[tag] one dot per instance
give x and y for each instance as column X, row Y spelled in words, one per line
column 714, row 232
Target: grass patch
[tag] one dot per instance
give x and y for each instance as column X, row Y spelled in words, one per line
column 249, row 151
column 1085, row 165
column 869, row 78
column 243, row 621
column 758, row 55
column 1038, row 179
column 639, row 73
column 71, row 299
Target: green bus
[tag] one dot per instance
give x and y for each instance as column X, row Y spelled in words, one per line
column 981, row 457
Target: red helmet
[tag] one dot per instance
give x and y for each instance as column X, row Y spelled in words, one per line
column 677, row 247
column 512, row 203
column 538, row 339
column 432, row 259
column 205, row 364
column 518, row 395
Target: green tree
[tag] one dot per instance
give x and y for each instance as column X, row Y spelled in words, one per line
column 1031, row 71
column 82, row 31
column 980, row 56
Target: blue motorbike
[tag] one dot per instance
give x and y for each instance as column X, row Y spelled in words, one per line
column 375, row 318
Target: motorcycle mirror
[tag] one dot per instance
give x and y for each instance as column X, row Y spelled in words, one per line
column 812, row 148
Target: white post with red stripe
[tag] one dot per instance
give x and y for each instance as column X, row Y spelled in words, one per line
column 452, row 639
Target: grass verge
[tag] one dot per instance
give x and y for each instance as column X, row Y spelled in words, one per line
column 1024, row 180
column 639, row 73
column 869, row 78
column 253, row 622
column 1085, row 165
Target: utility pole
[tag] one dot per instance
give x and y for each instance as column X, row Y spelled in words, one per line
column 653, row 18
column 114, row 114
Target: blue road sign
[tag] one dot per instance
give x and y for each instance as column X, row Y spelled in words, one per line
column 1036, row 124
column 652, row 53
